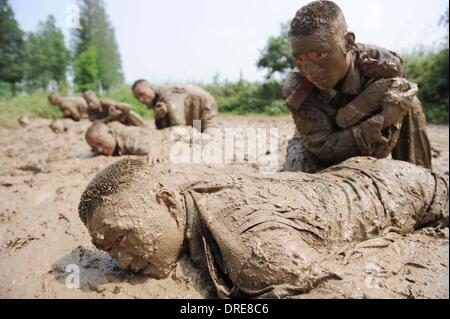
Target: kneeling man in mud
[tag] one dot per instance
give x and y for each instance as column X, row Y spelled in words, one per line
column 257, row 235
column 177, row 105
column 348, row 99
column 107, row 111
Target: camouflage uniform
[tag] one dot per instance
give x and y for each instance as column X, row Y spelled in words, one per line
column 185, row 104
column 321, row 140
column 132, row 140
column 73, row 107
column 112, row 111
column 271, row 237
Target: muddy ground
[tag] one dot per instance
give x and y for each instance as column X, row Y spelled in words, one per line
column 42, row 176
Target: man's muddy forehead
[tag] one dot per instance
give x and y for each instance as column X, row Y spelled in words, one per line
column 319, row 42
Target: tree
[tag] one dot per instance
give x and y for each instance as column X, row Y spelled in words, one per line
column 86, row 70
column 11, row 47
column 96, row 30
column 46, row 55
column 276, row 57
column 430, row 71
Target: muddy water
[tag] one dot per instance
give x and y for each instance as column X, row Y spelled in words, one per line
column 42, row 176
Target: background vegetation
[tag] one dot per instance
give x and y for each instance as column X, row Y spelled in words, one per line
column 32, row 64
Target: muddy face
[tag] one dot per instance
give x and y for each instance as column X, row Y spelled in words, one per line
column 142, row 230
column 93, row 102
column 57, row 126
column 53, row 99
column 100, row 139
column 104, row 144
column 144, row 93
column 24, row 121
column 322, row 58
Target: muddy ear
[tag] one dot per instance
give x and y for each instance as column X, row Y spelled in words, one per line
column 174, row 206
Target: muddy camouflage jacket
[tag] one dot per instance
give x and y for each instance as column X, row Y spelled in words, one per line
column 314, row 112
column 185, row 104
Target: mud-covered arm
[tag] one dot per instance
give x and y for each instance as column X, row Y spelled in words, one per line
column 322, row 138
column 71, row 111
column 116, row 111
column 209, row 114
column 330, row 144
column 390, row 97
column 123, row 107
column 378, row 63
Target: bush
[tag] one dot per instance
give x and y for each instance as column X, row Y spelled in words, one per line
column 245, row 97
column 430, row 72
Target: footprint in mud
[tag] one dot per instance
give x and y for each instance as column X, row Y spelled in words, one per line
column 41, row 196
column 18, row 243
column 94, row 269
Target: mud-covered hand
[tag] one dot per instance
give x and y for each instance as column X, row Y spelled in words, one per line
column 364, row 105
column 155, row 156
column 372, row 130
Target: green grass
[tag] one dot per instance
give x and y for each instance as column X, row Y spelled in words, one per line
column 34, row 106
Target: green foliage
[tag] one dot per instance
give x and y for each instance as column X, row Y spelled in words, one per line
column 11, row 47
column 47, row 57
column 34, row 106
column 86, row 70
column 276, row 57
column 96, row 30
column 430, row 71
column 247, row 98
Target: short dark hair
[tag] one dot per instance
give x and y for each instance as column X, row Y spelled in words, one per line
column 314, row 16
column 107, row 183
column 137, row 83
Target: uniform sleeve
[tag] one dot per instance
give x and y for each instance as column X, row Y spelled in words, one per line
column 73, row 110
column 329, row 143
column 209, row 114
column 322, row 138
column 392, row 97
column 293, row 79
column 376, row 62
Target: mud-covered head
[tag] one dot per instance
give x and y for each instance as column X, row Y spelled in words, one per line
column 53, row 99
column 58, row 126
column 144, row 92
column 321, row 43
column 24, row 120
column 136, row 216
column 101, row 139
column 92, row 100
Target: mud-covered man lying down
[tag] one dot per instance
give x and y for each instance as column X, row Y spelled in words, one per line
column 257, row 236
